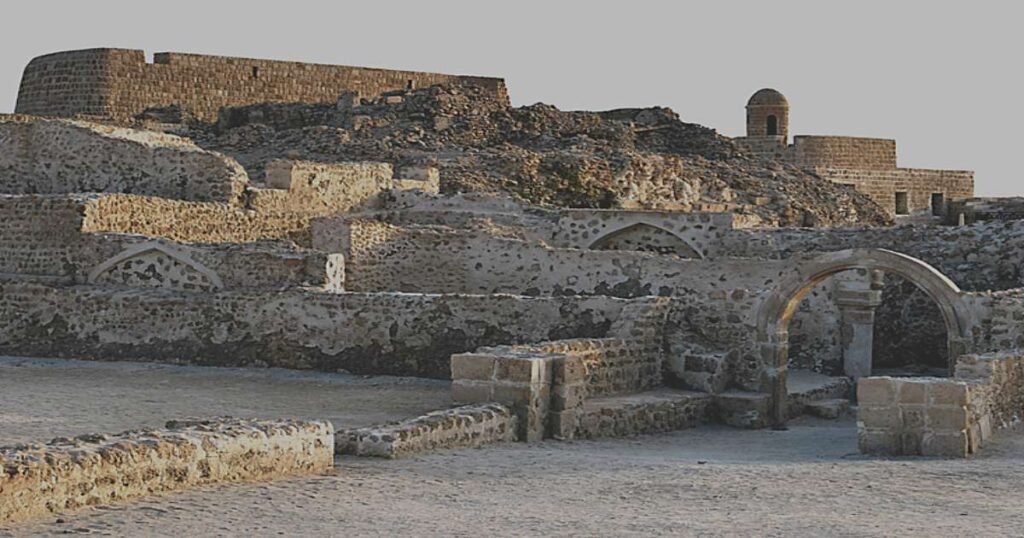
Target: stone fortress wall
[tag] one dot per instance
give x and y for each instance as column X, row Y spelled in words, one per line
column 119, row 84
column 868, row 164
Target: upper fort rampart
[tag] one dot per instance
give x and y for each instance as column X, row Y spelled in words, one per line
column 118, row 84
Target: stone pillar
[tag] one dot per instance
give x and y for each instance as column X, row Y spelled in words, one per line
column 857, row 301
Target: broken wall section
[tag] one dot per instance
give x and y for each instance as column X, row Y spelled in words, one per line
column 49, row 156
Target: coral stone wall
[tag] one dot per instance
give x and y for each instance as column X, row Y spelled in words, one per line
column 119, row 84
column 386, row 333
column 39, row 156
column 699, row 233
column 68, row 474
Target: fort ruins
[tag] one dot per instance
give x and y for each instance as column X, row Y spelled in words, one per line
column 574, row 275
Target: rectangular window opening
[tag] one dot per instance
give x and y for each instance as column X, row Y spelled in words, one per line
column 902, row 204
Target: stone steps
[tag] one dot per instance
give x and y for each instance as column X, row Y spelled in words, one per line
column 807, row 388
column 653, row 411
column 828, row 409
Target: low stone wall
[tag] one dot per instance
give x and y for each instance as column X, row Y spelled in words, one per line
column 946, row 417
column 462, row 427
column 89, row 470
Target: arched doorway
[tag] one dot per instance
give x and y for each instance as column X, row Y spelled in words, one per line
column 773, row 126
column 777, row 310
column 646, row 238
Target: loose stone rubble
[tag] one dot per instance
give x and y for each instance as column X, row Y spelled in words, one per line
column 574, row 274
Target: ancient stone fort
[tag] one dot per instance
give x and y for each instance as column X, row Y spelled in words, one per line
column 574, row 275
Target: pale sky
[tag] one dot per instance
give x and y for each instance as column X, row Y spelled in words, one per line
column 942, row 78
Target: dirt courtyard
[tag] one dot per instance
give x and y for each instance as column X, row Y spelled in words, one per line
column 710, row 481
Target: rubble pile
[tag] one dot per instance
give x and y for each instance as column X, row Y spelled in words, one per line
column 626, row 158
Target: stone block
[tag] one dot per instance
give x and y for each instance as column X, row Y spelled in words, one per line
column 472, row 366
column 568, row 396
column 568, row 370
column 513, row 393
column 910, row 442
column 912, row 416
column 523, row 369
column 563, row 424
column 912, row 393
column 879, row 442
column 880, row 418
column 945, row 445
column 468, row 391
column 949, row 393
column 942, row 418
column 876, row 391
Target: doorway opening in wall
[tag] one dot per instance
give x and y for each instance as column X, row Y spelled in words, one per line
column 938, row 204
column 255, row 72
column 410, row 84
column 902, row 204
column 773, row 126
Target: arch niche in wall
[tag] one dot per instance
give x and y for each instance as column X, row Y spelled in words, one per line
column 777, row 310
column 646, row 237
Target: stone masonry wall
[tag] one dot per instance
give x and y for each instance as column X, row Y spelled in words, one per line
column 919, row 185
column 41, row 238
column 119, row 84
column 387, row 333
column 69, row 474
column 942, row 417
column 468, row 426
column 40, row 156
column 842, row 152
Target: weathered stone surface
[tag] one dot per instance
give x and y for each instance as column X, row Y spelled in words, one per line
column 67, row 474
column 462, row 427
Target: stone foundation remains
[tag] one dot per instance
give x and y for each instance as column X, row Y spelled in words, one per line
column 68, row 474
column 469, row 426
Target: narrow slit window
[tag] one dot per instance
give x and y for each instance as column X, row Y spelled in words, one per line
column 255, row 72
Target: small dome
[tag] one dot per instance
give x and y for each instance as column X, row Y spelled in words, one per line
column 767, row 97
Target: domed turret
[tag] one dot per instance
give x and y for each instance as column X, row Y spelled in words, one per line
column 768, row 114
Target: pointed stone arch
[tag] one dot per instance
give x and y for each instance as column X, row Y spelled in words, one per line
column 155, row 265
column 778, row 308
column 673, row 243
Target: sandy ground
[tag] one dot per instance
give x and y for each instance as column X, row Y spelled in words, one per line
column 45, row 398
column 710, row 481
